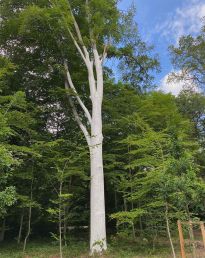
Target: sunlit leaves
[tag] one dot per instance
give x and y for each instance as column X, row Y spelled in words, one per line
column 128, row 217
column 7, row 199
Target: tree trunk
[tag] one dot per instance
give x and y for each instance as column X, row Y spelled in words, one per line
column 140, row 221
column 168, row 232
column 60, row 221
column 191, row 235
column 29, row 228
column 133, row 231
column 20, row 228
column 65, row 226
column 125, row 203
column 3, row 229
column 116, row 208
column 97, row 198
column 29, row 219
column 93, row 136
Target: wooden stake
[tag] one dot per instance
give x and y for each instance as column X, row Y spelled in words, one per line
column 202, row 231
column 181, row 239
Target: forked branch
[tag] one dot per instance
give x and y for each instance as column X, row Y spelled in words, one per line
column 87, row 113
column 76, row 115
column 77, row 29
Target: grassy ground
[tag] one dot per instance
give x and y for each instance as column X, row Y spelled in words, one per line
column 44, row 249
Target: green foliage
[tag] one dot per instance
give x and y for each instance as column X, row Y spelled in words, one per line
column 129, row 217
column 7, row 199
column 16, row 124
column 189, row 57
column 153, row 143
column 107, row 24
column 137, row 62
column 6, row 158
column 6, row 68
column 59, row 205
column 154, row 162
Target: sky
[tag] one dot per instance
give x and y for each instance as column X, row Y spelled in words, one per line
column 161, row 23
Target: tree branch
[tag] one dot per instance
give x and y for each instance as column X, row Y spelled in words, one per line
column 99, row 71
column 91, row 79
column 85, row 56
column 77, row 29
column 104, row 55
column 78, row 47
column 89, row 65
column 87, row 113
column 77, row 117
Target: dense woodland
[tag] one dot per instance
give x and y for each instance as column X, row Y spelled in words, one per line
column 56, row 58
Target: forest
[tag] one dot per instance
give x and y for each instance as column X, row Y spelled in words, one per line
column 95, row 159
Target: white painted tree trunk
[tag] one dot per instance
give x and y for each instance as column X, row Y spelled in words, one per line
column 94, row 139
column 92, row 131
column 97, row 199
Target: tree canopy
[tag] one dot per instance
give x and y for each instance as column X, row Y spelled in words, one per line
column 70, row 121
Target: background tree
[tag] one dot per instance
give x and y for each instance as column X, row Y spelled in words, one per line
column 188, row 57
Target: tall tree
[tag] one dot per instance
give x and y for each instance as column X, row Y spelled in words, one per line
column 89, row 27
column 16, row 131
column 79, row 37
column 158, row 174
column 188, row 57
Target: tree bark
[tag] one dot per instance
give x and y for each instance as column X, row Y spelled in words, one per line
column 133, row 231
column 191, row 234
column 97, row 199
column 60, row 221
column 125, row 203
column 65, row 226
column 3, row 229
column 29, row 228
column 116, row 207
column 29, row 219
column 20, row 228
column 168, row 232
column 94, row 64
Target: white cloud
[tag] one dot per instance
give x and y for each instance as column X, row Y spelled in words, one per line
column 170, row 87
column 175, row 87
column 183, row 21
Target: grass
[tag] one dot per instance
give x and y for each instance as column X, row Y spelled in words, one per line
column 41, row 249
column 79, row 249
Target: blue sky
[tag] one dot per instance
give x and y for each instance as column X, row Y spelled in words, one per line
column 161, row 23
